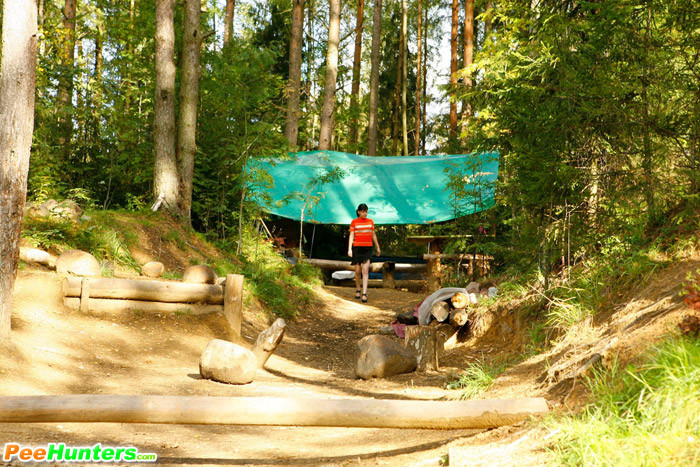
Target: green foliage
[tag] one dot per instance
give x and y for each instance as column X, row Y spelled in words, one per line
column 644, row 415
column 102, row 239
column 477, row 378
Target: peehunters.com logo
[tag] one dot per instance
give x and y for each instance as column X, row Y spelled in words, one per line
column 59, row 452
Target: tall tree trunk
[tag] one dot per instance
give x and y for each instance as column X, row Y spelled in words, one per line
column 189, row 93
column 166, row 180
column 425, row 79
column 488, row 24
column 17, row 83
column 310, row 78
column 228, row 21
column 453, row 70
column 374, row 79
column 418, row 77
column 647, row 155
column 328, row 106
column 65, row 80
column 404, row 75
column 127, row 78
column 356, row 63
column 468, row 53
column 291, row 125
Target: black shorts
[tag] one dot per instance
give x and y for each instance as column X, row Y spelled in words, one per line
column 360, row 254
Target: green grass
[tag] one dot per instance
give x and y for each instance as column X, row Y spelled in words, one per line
column 645, row 415
column 476, row 378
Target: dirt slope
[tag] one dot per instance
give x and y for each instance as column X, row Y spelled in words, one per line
column 56, row 351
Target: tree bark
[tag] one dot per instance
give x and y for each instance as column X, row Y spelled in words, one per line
column 228, row 21
column 189, row 92
column 468, row 51
column 65, row 79
column 356, row 64
column 145, row 289
column 453, row 70
column 291, row 126
column 425, row 80
column 165, row 172
column 404, row 77
column 374, row 79
column 418, row 78
column 328, row 106
column 17, row 83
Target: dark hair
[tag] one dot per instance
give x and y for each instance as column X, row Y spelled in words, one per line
column 361, row 207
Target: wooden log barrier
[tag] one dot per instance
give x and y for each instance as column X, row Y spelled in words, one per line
column 373, row 267
column 107, row 305
column 388, row 281
column 376, row 413
column 146, row 290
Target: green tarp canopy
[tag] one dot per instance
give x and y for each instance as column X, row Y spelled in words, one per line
column 328, row 186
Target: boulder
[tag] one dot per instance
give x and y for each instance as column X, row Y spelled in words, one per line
column 227, row 362
column 200, row 274
column 472, row 288
column 67, row 209
column 379, row 356
column 78, row 263
column 153, row 269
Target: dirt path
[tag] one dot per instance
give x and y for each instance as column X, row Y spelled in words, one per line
column 56, row 351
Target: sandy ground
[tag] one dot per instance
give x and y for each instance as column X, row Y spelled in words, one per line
column 58, row 351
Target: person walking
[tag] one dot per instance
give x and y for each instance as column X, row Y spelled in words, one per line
column 362, row 236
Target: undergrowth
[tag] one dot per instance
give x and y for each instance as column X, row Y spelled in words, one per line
column 644, row 415
column 282, row 288
column 477, row 378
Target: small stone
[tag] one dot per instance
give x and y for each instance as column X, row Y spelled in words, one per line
column 153, row 269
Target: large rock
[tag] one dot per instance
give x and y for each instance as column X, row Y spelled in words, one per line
column 78, row 263
column 153, row 269
column 201, row 274
column 227, row 362
column 378, row 357
column 67, row 209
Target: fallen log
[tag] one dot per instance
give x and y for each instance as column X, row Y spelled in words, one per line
column 268, row 340
column 459, row 317
column 460, row 300
column 111, row 305
column 440, row 311
column 102, row 408
column 145, row 290
column 35, row 255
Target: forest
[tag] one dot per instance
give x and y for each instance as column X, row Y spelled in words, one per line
column 593, row 107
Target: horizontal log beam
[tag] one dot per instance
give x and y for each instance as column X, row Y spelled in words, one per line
column 269, row 411
column 337, row 265
column 115, row 305
column 467, row 256
column 146, row 290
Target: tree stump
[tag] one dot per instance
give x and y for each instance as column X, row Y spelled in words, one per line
column 422, row 340
column 268, row 340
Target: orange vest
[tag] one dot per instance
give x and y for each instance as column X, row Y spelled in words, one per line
column 363, row 229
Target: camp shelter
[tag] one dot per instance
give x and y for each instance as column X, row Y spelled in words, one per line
column 326, row 186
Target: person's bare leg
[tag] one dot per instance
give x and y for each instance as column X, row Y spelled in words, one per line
column 365, row 276
column 357, row 278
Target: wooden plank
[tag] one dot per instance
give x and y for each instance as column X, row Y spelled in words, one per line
column 110, row 305
column 88, row 408
column 147, row 290
column 233, row 302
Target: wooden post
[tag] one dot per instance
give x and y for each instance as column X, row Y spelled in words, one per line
column 434, row 267
column 377, row 413
column 85, row 295
column 233, row 302
column 423, row 341
column 268, row 340
column 388, row 281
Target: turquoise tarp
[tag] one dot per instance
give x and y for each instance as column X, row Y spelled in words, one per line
column 398, row 190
